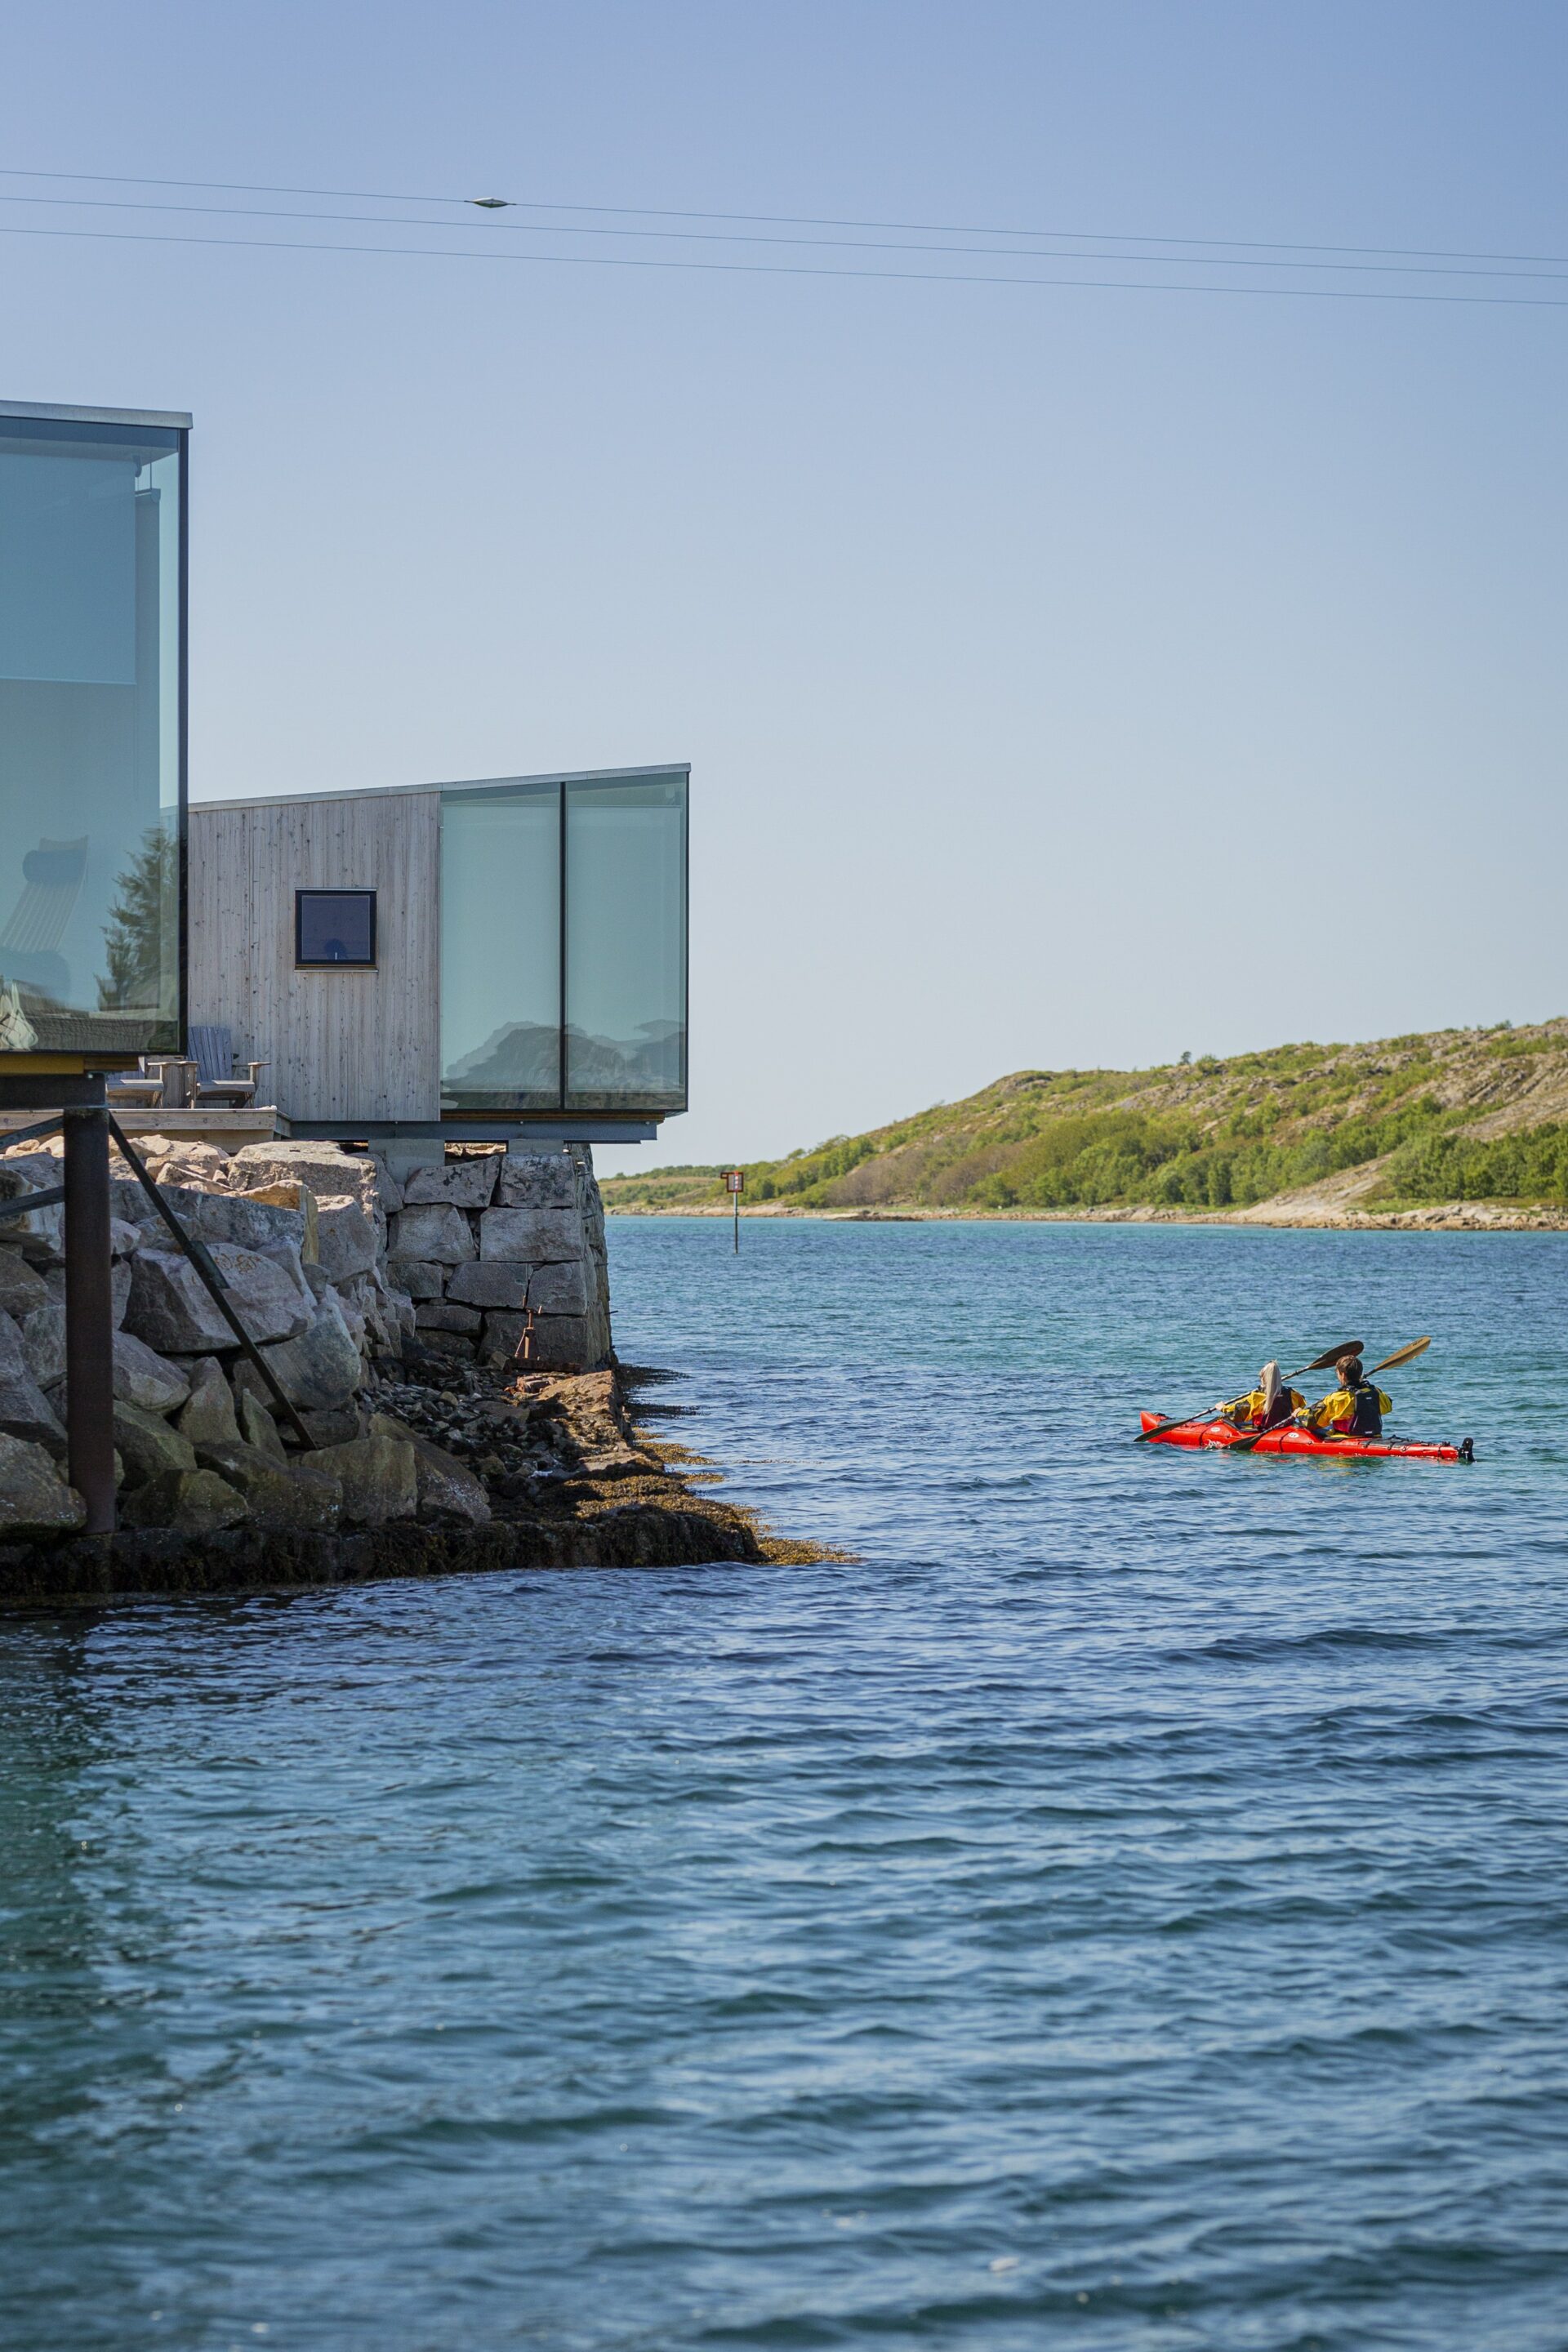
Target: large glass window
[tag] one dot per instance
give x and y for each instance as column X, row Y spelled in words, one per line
column 90, row 737
column 500, row 947
column 626, row 943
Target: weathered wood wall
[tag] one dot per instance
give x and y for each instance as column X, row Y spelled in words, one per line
column 343, row 1043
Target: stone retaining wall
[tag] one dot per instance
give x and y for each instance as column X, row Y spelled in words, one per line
column 502, row 1251
column 313, row 1244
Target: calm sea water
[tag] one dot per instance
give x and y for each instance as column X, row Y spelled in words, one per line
column 1129, row 1909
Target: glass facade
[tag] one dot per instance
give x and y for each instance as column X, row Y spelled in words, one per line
column 500, row 947
column 563, row 944
column 91, row 736
column 626, row 943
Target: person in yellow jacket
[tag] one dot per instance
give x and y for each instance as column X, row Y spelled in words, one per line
column 1266, row 1406
column 1355, row 1409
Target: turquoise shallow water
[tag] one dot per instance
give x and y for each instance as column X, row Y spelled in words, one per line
column 1127, row 1910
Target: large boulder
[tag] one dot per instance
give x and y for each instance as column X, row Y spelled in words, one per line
column 172, row 1310
column 466, row 1182
column 345, row 1238
column 490, row 1282
column 34, row 1498
column 209, row 1418
column 536, row 1180
column 41, row 1229
column 416, row 1277
column 434, row 1231
column 328, row 1170
column 144, row 1377
column 43, row 1344
column 377, row 1474
column 118, row 1281
column 281, row 1494
column 265, row 1225
column 26, row 1412
column 439, row 1316
column 560, row 1289
column 535, row 1235
column 447, row 1490
column 196, row 1502
column 322, row 1367
column 256, row 1426
column 503, row 1338
column 147, row 1444
column 21, row 1286
column 562, row 1343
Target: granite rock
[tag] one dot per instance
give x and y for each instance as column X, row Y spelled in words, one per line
column 346, row 1237
column 437, row 1316
column 377, row 1476
column 416, row 1277
column 539, row 1237
column 490, row 1282
column 435, row 1232
column 447, row 1490
column 281, row 1494
column 43, row 1344
column 558, row 1290
column 256, row 1426
column 322, row 1366
column 537, row 1180
column 466, row 1182
column 209, row 1417
column 26, row 1412
column 34, row 1498
column 172, row 1309
column 197, row 1502
column 147, row 1444
column 21, row 1287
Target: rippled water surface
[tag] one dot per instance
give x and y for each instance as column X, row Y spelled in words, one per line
column 1126, row 1910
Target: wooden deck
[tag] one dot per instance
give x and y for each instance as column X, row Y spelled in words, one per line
column 230, row 1130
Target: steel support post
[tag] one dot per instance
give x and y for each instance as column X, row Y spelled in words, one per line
column 89, row 1317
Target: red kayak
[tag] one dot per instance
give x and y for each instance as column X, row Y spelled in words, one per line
column 1289, row 1439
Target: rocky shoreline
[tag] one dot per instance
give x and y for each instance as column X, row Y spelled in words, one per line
column 565, row 1473
column 431, row 1386
column 1444, row 1217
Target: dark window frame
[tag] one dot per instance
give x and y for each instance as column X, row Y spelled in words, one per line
column 302, row 962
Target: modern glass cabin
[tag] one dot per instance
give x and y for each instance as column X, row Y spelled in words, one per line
column 500, row 958
column 92, row 736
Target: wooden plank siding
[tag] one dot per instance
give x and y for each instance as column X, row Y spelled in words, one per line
column 344, row 1042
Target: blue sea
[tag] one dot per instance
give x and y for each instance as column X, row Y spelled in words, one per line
column 1126, row 1908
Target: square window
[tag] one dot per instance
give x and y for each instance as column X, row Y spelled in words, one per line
column 334, row 926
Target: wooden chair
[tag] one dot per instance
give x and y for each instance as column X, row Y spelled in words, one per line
column 143, row 1086
column 215, row 1077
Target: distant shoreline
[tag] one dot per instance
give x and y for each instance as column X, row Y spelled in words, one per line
column 1448, row 1217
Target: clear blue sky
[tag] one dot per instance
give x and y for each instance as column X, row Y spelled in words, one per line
column 1069, row 676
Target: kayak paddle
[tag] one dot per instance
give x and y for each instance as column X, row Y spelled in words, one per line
column 1403, row 1356
column 1400, row 1356
column 1319, row 1363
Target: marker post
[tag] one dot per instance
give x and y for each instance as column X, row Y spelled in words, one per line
column 735, row 1184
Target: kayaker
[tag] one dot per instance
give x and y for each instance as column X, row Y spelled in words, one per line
column 1355, row 1409
column 1266, row 1406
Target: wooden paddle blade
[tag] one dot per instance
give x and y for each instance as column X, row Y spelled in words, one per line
column 1404, row 1355
column 1330, row 1356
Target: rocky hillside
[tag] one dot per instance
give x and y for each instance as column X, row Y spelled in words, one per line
column 1451, row 1117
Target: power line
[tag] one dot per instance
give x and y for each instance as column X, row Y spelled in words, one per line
column 807, row 269
column 825, row 245
column 795, row 220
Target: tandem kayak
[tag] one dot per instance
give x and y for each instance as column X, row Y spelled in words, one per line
column 1289, row 1439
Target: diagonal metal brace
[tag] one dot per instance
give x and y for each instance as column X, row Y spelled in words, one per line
column 25, row 1203
column 196, row 1251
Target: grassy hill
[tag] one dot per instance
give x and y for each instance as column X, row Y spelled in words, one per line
column 1475, row 1115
